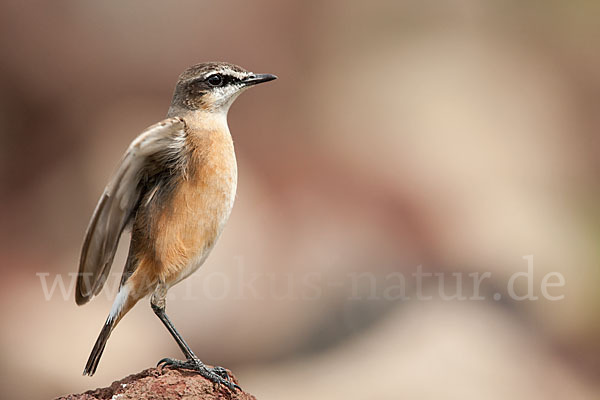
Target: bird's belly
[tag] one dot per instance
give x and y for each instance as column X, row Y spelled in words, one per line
column 199, row 210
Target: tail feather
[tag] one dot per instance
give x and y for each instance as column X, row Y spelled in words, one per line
column 121, row 305
column 94, row 359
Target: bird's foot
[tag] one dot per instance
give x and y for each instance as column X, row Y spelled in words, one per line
column 216, row 375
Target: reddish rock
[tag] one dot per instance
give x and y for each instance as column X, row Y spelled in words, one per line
column 155, row 383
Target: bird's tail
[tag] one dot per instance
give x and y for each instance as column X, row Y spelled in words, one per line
column 122, row 304
column 94, row 359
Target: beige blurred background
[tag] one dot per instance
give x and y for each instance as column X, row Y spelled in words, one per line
column 457, row 135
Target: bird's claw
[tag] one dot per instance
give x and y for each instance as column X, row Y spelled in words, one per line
column 222, row 372
column 216, row 375
column 164, row 362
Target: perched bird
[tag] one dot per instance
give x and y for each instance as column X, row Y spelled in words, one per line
column 174, row 188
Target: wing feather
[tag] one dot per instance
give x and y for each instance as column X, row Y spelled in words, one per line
column 118, row 203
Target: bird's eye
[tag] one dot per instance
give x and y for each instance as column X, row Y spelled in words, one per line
column 215, row 80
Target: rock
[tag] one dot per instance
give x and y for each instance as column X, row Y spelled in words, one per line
column 156, row 383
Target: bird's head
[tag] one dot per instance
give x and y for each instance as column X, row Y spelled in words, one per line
column 212, row 87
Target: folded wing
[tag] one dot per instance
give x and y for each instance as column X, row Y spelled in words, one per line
column 118, row 203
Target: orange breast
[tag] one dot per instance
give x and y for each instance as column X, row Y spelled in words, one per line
column 191, row 221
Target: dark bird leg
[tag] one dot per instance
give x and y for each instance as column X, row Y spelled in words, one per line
column 217, row 375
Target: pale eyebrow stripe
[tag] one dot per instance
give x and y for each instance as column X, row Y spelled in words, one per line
column 226, row 71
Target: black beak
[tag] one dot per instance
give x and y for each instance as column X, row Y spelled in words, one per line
column 255, row 79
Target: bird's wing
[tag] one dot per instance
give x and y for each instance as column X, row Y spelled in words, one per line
column 119, row 201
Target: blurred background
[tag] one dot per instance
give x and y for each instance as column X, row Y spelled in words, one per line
column 455, row 135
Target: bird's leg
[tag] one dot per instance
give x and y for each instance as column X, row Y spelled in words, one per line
column 216, row 375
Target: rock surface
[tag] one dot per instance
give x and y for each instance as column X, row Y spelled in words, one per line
column 156, row 383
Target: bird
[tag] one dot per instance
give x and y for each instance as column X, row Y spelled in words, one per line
column 174, row 190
